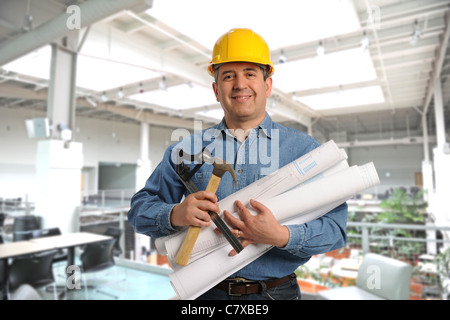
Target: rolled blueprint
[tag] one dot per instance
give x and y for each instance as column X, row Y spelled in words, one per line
column 298, row 205
column 311, row 165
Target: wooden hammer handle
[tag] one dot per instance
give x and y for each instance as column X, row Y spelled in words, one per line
column 184, row 252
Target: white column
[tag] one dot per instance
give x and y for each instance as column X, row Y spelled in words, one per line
column 143, row 168
column 61, row 93
column 58, row 175
column 439, row 114
column 441, row 206
column 143, row 171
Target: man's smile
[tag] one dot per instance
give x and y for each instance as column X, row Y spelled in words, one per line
column 241, row 98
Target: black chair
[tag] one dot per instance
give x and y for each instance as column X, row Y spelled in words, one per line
column 116, row 233
column 61, row 254
column 23, row 224
column 35, row 270
column 3, row 217
column 97, row 257
column 3, row 282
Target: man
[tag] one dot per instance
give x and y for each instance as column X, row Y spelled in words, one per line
column 255, row 146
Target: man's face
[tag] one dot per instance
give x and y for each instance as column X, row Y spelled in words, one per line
column 242, row 92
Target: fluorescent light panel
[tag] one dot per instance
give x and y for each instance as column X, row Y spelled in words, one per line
column 92, row 73
column 281, row 23
column 346, row 98
column 340, row 68
column 179, row 97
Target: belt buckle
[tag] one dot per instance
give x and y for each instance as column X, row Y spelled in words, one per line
column 229, row 290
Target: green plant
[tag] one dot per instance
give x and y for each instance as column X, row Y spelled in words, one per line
column 442, row 261
column 403, row 207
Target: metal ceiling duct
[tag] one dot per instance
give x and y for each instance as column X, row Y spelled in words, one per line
column 90, row 12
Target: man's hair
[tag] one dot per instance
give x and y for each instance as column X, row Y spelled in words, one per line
column 264, row 68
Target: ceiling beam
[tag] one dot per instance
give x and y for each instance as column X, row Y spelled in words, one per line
column 53, row 30
column 439, row 62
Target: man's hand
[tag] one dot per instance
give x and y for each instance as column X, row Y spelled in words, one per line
column 193, row 211
column 261, row 228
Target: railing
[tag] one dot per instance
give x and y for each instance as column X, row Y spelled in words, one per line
column 108, row 198
column 385, row 236
column 413, row 243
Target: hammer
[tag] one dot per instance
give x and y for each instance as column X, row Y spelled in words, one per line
column 220, row 167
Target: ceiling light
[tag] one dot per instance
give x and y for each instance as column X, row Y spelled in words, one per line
column 417, row 32
column 282, row 58
column 162, row 84
column 120, row 93
column 365, row 42
column 320, row 49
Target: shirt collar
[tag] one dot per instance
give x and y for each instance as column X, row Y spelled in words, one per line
column 265, row 126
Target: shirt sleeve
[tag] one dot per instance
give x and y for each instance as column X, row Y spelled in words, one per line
column 318, row 236
column 152, row 205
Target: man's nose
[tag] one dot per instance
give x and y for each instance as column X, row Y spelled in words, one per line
column 240, row 83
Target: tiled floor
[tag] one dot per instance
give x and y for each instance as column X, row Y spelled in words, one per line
column 118, row 282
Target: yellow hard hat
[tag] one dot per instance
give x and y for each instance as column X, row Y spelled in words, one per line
column 241, row 45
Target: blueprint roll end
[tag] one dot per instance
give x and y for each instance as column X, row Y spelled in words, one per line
column 370, row 174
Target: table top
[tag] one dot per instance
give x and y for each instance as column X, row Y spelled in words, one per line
column 13, row 249
column 70, row 239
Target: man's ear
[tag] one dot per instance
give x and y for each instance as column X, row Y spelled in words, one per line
column 268, row 86
column 216, row 90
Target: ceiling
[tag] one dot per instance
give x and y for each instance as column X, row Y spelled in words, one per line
column 169, row 54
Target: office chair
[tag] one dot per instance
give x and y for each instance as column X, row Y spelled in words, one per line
column 22, row 225
column 3, row 217
column 97, row 257
column 35, row 270
column 61, row 254
column 379, row 278
column 2, row 276
column 116, row 233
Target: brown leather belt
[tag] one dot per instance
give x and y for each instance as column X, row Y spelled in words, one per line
column 237, row 287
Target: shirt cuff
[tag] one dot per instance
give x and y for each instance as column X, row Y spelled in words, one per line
column 164, row 219
column 296, row 238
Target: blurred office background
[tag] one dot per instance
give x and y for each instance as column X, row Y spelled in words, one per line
column 93, row 92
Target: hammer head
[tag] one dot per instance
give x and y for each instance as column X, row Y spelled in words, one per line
column 219, row 165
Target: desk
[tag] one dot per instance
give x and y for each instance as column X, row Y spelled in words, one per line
column 14, row 249
column 68, row 240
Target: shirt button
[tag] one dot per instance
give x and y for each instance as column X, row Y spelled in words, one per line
column 240, row 171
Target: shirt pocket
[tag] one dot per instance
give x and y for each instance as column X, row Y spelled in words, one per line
column 201, row 179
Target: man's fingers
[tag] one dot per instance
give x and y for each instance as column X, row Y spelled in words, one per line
column 244, row 243
column 206, row 195
column 235, row 222
column 258, row 205
column 242, row 210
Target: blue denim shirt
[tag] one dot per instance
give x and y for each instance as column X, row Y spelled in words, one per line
column 268, row 147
